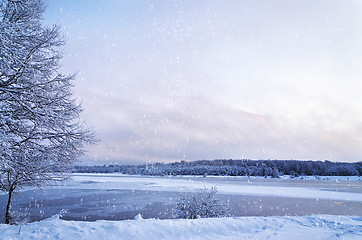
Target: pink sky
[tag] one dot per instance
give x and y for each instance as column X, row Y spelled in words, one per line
column 169, row 80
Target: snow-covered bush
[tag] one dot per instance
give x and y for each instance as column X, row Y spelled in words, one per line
column 18, row 218
column 201, row 204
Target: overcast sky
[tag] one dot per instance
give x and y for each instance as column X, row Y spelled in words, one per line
column 188, row 80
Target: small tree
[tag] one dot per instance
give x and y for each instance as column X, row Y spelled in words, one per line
column 275, row 173
column 200, row 204
column 41, row 134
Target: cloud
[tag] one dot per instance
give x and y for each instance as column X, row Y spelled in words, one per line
column 173, row 81
column 192, row 127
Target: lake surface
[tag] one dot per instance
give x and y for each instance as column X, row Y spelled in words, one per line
column 117, row 197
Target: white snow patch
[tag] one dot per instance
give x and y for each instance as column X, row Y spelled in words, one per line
column 138, row 217
column 118, row 181
column 307, row 227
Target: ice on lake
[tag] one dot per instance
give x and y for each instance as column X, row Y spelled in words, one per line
column 119, row 197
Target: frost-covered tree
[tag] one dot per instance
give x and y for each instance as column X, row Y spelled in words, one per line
column 201, row 204
column 40, row 130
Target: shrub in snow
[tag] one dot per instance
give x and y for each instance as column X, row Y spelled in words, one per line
column 18, row 218
column 293, row 174
column 138, row 217
column 201, row 204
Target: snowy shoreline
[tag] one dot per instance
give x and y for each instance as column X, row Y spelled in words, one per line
column 111, row 192
column 306, row 227
column 282, row 177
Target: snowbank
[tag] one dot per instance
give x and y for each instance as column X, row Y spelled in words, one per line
column 308, row 227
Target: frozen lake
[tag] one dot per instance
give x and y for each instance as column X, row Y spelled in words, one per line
column 118, row 197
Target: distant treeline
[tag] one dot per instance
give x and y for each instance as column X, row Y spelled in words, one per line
column 233, row 168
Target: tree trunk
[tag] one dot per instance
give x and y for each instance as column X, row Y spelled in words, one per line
column 8, row 206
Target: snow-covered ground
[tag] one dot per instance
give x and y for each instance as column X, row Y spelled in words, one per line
column 309, row 227
column 103, row 196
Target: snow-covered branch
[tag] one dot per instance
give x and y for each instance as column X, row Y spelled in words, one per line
column 40, row 130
